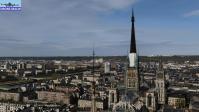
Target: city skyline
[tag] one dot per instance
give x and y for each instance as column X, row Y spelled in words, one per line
column 69, row 28
column 47, row 77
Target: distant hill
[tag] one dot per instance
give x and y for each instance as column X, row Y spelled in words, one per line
column 176, row 58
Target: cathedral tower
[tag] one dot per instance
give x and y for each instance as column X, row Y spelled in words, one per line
column 160, row 84
column 132, row 73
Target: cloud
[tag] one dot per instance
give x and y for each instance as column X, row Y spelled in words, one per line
column 60, row 27
column 167, row 41
column 10, row 40
column 168, row 48
column 103, row 5
column 70, row 27
column 192, row 13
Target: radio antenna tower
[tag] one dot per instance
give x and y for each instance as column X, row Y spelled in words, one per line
column 93, row 108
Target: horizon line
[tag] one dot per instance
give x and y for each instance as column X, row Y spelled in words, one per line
column 99, row 56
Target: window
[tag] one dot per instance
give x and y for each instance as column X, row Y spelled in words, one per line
column 112, row 97
column 131, row 83
column 149, row 100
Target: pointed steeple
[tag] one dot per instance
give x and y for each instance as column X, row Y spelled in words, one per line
column 133, row 41
column 133, row 54
column 133, row 18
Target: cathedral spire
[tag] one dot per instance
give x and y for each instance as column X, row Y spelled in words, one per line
column 133, row 54
column 133, row 41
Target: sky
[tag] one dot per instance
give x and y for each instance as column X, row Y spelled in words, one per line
column 73, row 27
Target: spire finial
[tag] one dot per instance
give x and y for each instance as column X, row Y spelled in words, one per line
column 132, row 12
column 133, row 18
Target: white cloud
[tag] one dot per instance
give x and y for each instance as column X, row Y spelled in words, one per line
column 57, row 27
column 111, row 4
column 192, row 13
